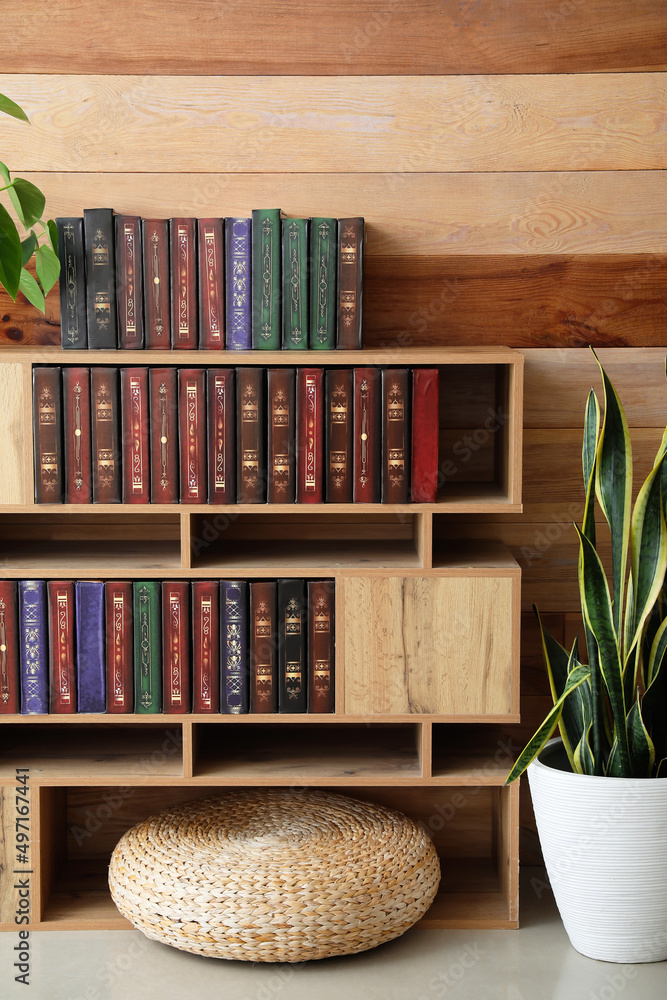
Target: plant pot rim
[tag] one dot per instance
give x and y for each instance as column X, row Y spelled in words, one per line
column 543, row 765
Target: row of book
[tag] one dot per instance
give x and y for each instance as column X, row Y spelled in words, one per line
column 263, row 282
column 166, row 646
column 235, row 435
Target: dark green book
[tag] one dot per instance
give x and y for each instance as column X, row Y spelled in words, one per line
column 295, row 284
column 266, row 279
column 323, row 263
column 147, row 647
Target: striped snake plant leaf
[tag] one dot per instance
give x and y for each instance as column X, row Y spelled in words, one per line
column 642, row 750
column 657, row 654
column 654, row 702
column 661, row 769
column 558, row 664
column 583, row 755
column 588, row 455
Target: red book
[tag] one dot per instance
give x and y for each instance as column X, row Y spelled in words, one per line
column 192, row 433
column 10, row 692
column 395, row 435
column 210, row 243
column 77, row 428
column 176, row 646
column 157, row 307
column 338, row 448
column 321, row 645
column 119, row 646
column 263, row 647
column 105, row 443
column 62, row 678
column 135, row 449
column 281, row 471
column 163, row 432
column 183, row 247
column 206, row 646
column 129, row 286
column 309, row 435
column 250, row 436
column 221, row 404
column 367, row 431
column 425, row 434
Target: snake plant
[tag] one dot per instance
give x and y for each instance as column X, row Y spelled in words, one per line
column 612, row 712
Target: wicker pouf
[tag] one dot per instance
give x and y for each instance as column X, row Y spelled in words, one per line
column 274, row 876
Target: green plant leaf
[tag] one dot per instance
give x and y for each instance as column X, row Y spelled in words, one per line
column 661, row 769
column 654, row 702
column 642, row 750
column 583, row 755
column 31, row 289
column 28, row 201
column 10, row 253
column 27, row 247
column 588, row 456
column 47, row 266
column 10, row 108
column 4, row 173
column 557, row 661
column 52, row 230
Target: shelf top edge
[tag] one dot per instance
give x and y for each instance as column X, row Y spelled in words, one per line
column 304, row 718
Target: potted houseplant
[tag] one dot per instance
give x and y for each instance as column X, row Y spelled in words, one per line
column 601, row 815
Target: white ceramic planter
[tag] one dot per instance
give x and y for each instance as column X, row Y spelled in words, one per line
column 604, row 842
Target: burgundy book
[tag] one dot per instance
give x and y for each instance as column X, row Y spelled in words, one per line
column 118, row 613
column 350, row 283
column 210, row 244
column 77, row 431
column 105, row 435
column 175, row 646
column 163, row 433
column 10, row 685
column 367, row 443
column 221, row 404
column 281, row 464
column 263, row 647
column 250, row 450
column 425, row 434
column 206, row 646
column 183, row 256
column 321, row 645
column 62, row 678
column 192, row 434
column 129, row 288
column 395, row 435
column 47, row 431
column 135, row 448
column 157, row 305
column 309, row 435
column 338, row 430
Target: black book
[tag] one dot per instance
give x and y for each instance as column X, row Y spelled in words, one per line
column 292, row 625
column 73, row 322
column 98, row 235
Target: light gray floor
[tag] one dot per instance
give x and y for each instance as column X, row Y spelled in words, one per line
column 534, row 963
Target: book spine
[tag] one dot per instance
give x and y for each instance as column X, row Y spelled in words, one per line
column 192, row 434
column 163, row 433
column 206, row 646
column 135, row 451
column 425, row 434
column 250, row 449
column 33, row 647
column 47, row 430
column 176, row 646
column 321, row 646
column 129, row 285
column 367, row 441
column 62, row 679
column 90, row 638
column 210, row 244
column 147, row 648
column 238, row 284
column 77, row 431
column 295, row 284
column 72, row 283
column 263, row 648
column 338, row 448
column 309, row 435
column 221, row 404
column 157, row 306
column 292, row 622
column 266, row 279
column 281, row 459
column 98, row 238
column 395, row 435
column 323, row 303
column 105, row 435
column 119, row 647
column 183, row 255
column 10, row 685
column 234, row 647
column 350, row 283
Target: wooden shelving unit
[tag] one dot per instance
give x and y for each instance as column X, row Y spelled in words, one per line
column 427, row 650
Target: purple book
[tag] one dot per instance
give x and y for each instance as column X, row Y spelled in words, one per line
column 34, row 650
column 234, row 646
column 90, row 663
column 237, row 281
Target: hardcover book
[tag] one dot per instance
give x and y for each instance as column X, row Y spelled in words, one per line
column 33, row 647
column 281, row 464
column 157, row 305
column 176, row 646
column 47, row 430
column 101, row 317
column 234, row 647
column 250, row 449
column 295, row 284
column 292, row 667
column 210, row 244
column 238, row 284
column 395, row 435
column 338, row 430
column 309, row 435
column 266, row 279
column 147, row 647
column 321, row 646
column 119, row 646
column 129, row 284
column 163, row 433
column 10, row 686
column 192, row 434
column 206, row 646
column 367, row 436
column 350, row 283
column 62, row 678
column 183, row 257
column 221, row 404
column 72, row 284
column 263, row 647
column 90, row 641
column 323, row 265
column 105, row 435
column 77, row 429
column 135, row 449
column 425, row 433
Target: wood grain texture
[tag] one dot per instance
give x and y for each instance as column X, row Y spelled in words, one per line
column 8, row 894
column 13, row 443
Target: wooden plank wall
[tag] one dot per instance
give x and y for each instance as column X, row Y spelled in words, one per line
column 508, row 155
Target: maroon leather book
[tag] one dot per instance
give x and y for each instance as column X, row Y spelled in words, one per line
column 192, row 434
column 135, row 448
column 206, row 646
column 395, row 435
column 119, row 646
column 425, row 434
column 350, row 283
column 338, row 429
column 157, row 305
column 221, row 404
column 163, row 433
column 77, row 434
column 62, row 678
column 309, row 435
column 47, row 432
column 250, row 449
column 183, row 254
column 263, row 647
column 10, row 690
column 176, row 646
column 210, row 244
column 129, row 290
column 367, row 433
column 105, row 435
column 281, row 463
column 321, row 645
